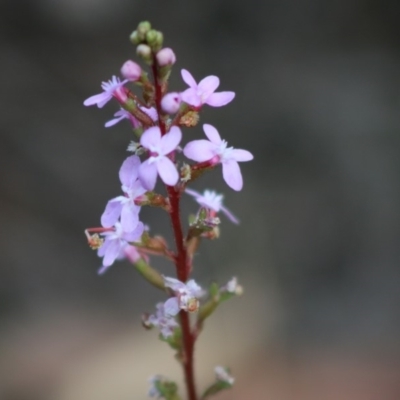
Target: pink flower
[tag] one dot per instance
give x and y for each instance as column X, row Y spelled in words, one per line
column 114, row 243
column 213, row 201
column 203, row 93
column 158, row 162
column 204, row 150
column 124, row 206
column 112, row 88
column 186, row 296
column 171, row 102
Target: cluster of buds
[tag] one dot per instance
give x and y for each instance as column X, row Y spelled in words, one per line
column 156, row 117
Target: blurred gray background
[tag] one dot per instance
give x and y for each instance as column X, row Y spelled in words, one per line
column 317, row 102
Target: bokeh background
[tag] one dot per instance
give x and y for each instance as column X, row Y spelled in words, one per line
column 318, row 100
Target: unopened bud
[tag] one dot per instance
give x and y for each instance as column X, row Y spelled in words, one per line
column 131, row 71
column 134, row 37
column 142, row 29
column 165, row 57
column 144, row 51
column 171, row 102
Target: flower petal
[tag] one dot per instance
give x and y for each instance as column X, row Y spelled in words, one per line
column 129, row 217
column 191, row 97
column 199, row 150
column 136, row 234
column 170, row 141
column 220, row 99
column 99, row 99
column 148, row 175
column 114, row 121
column 151, row 138
column 173, row 283
column 212, row 133
column 112, row 212
column 129, row 171
column 230, row 216
column 208, row 85
column 171, row 306
column 232, row 175
column 188, row 78
column 193, row 193
column 167, row 171
column 112, row 252
column 241, row 155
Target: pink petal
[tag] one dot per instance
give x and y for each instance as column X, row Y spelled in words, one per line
column 188, row 78
column 151, row 138
column 170, row 141
column 171, row 306
column 99, row 99
column 220, row 99
column 208, row 85
column 173, row 283
column 199, row 150
column 191, row 97
column 112, row 212
column 102, row 250
column 129, row 217
column 114, row 121
column 241, row 155
column 112, row 252
column 230, row 216
column 232, row 175
column 148, row 175
column 193, row 193
column 167, row 171
column 212, row 134
column 136, row 234
column 129, row 171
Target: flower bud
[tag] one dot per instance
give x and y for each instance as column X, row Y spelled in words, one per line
column 134, row 37
column 142, row 29
column 171, row 102
column 144, row 51
column 131, row 71
column 165, row 57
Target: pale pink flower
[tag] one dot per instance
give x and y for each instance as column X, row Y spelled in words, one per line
column 158, row 162
column 213, row 201
column 216, row 148
column 114, row 243
column 204, row 92
column 124, row 207
column 165, row 322
column 112, row 88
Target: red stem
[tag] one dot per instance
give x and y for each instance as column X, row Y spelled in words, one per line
column 182, row 262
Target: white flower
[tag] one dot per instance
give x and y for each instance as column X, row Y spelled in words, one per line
column 186, row 296
column 165, row 322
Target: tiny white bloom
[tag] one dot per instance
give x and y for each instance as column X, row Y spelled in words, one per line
column 222, row 375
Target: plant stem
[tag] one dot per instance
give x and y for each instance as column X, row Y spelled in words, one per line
column 182, row 263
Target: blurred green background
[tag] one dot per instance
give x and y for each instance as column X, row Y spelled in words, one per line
column 317, row 102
